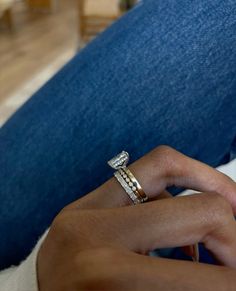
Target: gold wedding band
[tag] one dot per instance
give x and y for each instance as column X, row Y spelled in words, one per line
column 195, row 256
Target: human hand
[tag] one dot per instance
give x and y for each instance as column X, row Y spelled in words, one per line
column 99, row 242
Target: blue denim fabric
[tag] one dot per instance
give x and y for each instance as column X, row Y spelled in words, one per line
column 163, row 74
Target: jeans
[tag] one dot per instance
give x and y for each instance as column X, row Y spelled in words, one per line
column 165, row 73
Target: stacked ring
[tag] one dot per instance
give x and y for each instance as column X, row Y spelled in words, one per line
column 126, row 179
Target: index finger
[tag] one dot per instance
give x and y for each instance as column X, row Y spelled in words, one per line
column 181, row 221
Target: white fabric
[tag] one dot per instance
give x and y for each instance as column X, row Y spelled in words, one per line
column 23, row 277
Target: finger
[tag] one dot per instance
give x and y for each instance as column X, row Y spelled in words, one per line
column 168, row 167
column 176, row 222
column 161, row 168
column 191, row 250
column 147, row 273
column 109, row 195
column 163, row 195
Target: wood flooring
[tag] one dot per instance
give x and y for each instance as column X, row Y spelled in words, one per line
column 37, row 39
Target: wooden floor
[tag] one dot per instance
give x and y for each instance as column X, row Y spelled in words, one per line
column 39, row 45
column 37, row 40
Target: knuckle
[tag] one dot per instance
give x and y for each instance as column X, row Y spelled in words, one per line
column 60, row 229
column 221, row 222
column 108, row 255
column 165, row 158
column 225, row 177
column 69, row 225
column 165, row 150
column 59, row 224
column 83, row 228
column 218, row 207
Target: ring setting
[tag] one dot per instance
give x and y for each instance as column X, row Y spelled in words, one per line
column 126, row 179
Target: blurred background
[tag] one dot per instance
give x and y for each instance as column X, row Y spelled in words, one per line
column 37, row 37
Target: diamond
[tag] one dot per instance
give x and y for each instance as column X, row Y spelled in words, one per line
column 120, row 161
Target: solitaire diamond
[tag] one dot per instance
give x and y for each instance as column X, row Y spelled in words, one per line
column 120, row 161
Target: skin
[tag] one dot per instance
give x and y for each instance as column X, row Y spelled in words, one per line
column 101, row 241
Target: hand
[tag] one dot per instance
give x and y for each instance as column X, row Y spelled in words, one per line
column 99, row 242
